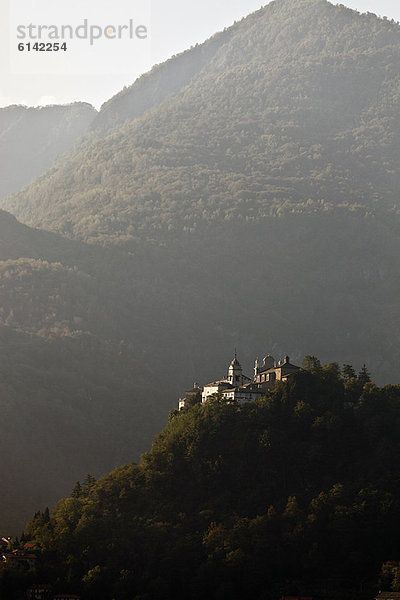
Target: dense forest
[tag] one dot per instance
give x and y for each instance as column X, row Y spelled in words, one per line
column 90, row 331
column 245, row 193
column 73, row 390
column 294, row 112
column 297, row 493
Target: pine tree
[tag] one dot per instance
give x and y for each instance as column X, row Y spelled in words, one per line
column 348, row 372
column 77, row 490
column 88, row 483
column 312, row 364
column 364, row 376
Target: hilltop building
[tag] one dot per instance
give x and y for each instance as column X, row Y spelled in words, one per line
column 271, row 371
column 234, row 380
column 191, row 396
column 237, row 387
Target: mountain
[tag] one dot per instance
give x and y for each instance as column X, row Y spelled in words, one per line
column 72, row 391
column 97, row 344
column 152, row 88
column 244, row 194
column 295, row 111
column 258, row 193
column 295, row 494
column 31, row 140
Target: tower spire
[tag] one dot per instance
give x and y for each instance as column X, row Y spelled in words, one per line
column 235, row 371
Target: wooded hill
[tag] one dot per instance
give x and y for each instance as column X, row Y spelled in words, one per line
column 243, row 194
column 297, row 493
column 294, row 111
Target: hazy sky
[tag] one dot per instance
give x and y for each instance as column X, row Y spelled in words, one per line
column 93, row 73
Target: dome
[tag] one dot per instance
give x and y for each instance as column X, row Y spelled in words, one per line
column 235, row 364
column 268, row 361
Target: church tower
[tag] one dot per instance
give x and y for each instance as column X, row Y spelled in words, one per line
column 235, row 373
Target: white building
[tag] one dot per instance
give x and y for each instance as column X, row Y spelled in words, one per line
column 232, row 381
column 237, row 387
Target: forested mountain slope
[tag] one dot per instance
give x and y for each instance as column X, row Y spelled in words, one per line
column 73, row 392
column 295, row 494
column 97, row 344
column 154, row 87
column 256, row 207
column 296, row 112
column 31, row 139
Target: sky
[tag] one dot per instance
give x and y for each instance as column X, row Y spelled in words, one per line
column 94, row 70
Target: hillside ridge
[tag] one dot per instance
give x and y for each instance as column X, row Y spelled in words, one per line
column 295, row 113
column 173, row 75
column 282, row 495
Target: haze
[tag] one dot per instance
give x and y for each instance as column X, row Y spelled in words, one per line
column 175, row 24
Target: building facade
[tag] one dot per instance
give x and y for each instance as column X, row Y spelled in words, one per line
column 271, row 371
column 237, row 387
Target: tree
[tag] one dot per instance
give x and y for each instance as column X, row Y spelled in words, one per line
column 174, row 412
column 332, row 370
column 88, row 484
column 396, row 581
column 348, row 372
column 364, row 376
column 312, row 364
column 77, row 491
column 193, row 398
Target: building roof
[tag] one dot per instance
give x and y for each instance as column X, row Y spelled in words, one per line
column 244, row 384
column 278, row 366
column 235, row 362
column 18, row 555
column 224, row 382
column 250, row 388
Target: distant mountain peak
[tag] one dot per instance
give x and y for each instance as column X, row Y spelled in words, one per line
column 292, row 110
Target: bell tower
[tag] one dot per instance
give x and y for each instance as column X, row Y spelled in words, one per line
column 235, row 373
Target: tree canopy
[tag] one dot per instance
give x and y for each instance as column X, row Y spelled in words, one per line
column 296, row 492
